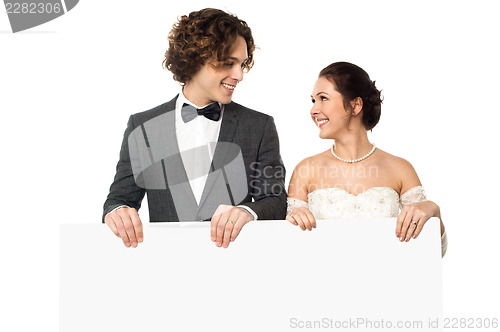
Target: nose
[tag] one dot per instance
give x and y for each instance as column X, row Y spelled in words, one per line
column 237, row 73
column 314, row 110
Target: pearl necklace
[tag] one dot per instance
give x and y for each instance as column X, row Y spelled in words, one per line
column 355, row 160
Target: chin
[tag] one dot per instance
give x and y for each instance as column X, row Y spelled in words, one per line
column 225, row 100
column 323, row 135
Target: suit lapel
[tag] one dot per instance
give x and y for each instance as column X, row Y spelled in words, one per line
column 229, row 123
column 165, row 149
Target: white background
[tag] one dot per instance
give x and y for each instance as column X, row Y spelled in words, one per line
column 67, row 88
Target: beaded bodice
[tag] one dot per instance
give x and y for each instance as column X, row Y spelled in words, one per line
column 376, row 202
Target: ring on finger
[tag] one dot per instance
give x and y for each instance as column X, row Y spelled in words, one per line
column 415, row 223
column 231, row 221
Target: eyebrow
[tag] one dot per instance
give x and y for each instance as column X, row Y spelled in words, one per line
column 320, row 93
column 236, row 59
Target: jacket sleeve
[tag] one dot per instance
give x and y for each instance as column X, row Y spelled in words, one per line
column 124, row 190
column 267, row 177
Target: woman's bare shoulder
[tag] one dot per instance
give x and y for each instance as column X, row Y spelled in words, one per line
column 394, row 161
column 401, row 168
column 315, row 160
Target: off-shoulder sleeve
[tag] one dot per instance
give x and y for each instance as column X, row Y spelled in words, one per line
column 293, row 203
column 415, row 195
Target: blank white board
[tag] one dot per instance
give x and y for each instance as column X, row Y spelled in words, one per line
column 345, row 274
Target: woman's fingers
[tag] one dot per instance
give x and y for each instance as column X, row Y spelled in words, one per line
column 291, row 219
column 311, row 218
column 303, row 218
column 300, row 221
column 400, row 220
column 411, row 229
column 405, row 225
column 419, row 227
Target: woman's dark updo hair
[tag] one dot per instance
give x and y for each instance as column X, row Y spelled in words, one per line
column 351, row 82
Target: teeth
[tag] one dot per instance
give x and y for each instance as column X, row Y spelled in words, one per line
column 230, row 87
column 320, row 122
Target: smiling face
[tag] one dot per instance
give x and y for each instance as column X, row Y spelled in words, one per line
column 211, row 84
column 328, row 111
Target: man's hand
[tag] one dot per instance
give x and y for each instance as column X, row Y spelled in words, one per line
column 226, row 224
column 126, row 224
column 413, row 217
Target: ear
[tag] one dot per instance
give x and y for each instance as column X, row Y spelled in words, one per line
column 356, row 105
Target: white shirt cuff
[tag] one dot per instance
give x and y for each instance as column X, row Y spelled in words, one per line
column 254, row 215
column 118, row 207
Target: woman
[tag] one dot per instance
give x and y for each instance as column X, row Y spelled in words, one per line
column 354, row 179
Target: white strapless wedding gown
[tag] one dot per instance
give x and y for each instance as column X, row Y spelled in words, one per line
column 376, row 202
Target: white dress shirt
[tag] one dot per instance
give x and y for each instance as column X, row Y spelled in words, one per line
column 196, row 133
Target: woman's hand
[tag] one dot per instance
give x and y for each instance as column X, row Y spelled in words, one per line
column 413, row 217
column 303, row 218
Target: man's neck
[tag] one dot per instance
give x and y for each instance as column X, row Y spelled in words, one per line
column 192, row 96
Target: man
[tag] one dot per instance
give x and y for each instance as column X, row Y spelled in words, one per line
column 200, row 156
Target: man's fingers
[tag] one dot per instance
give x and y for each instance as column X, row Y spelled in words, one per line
column 213, row 223
column 126, row 224
column 220, row 228
column 111, row 224
column 228, row 229
column 242, row 217
column 136, row 221
column 129, row 229
column 238, row 225
column 121, row 229
column 238, row 218
column 218, row 222
column 213, row 227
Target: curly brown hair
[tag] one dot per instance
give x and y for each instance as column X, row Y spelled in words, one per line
column 205, row 35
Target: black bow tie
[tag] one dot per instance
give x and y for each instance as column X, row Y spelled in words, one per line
column 211, row 112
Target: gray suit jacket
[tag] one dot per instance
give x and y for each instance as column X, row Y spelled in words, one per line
column 246, row 167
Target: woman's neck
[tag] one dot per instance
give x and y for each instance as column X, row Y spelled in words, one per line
column 353, row 146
